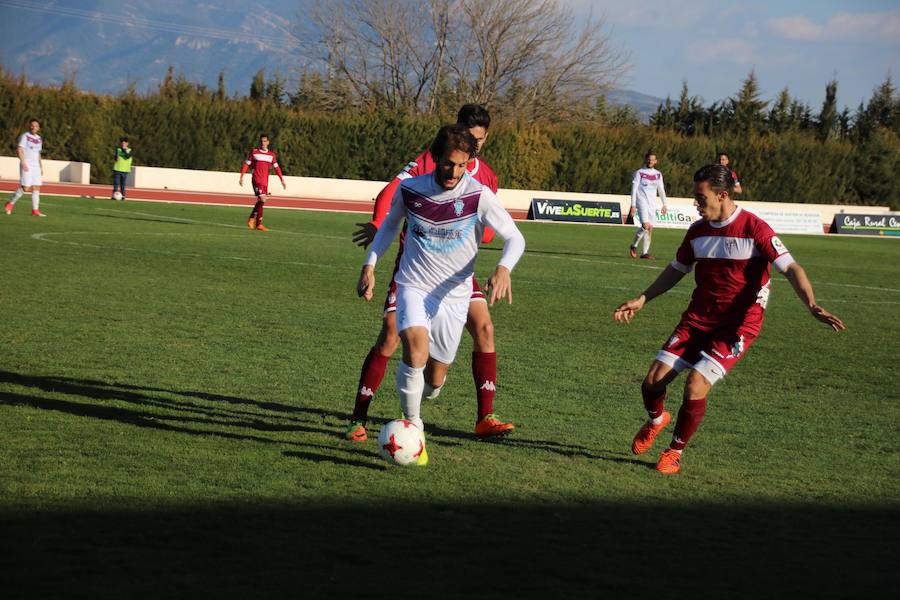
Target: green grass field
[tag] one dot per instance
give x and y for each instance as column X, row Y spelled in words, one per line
column 174, row 390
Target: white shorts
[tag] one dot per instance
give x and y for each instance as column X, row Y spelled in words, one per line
column 445, row 322
column 30, row 177
column 646, row 213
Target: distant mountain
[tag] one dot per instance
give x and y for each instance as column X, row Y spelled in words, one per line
column 643, row 104
column 109, row 44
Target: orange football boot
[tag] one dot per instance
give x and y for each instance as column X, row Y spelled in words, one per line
column 261, row 227
column 492, row 426
column 646, row 435
column 669, row 462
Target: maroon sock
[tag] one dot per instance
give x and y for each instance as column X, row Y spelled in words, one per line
column 259, row 211
column 653, row 401
column 484, row 371
column 369, row 380
column 689, row 417
column 255, row 210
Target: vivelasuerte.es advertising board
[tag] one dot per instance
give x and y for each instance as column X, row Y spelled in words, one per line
column 580, row 211
column 867, row 224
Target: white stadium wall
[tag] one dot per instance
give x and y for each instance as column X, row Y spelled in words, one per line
column 785, row 217
column 55, row 171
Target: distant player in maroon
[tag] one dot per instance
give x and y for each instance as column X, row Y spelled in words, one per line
column 722, row 159
column 733, row 251
column 260, row 159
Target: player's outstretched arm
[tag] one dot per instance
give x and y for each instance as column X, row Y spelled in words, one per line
column 363, row 236
column 665, row 282
column 803, row 288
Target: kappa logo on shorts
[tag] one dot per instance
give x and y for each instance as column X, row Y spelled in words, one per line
column 672, row 341
column 717, row 353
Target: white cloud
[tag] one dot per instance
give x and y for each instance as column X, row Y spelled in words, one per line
column 873, row 26
column 652, row 14
column 734, row 51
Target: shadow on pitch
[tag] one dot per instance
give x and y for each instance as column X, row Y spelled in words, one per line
column 439, row 550
column 154, row 408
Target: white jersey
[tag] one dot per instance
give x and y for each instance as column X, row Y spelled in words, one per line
column 31, row 144
column 644, row 187
column 444, row 228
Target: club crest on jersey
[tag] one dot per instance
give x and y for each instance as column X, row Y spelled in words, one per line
column 458, row 207
column 738, row 348
column 779, row 246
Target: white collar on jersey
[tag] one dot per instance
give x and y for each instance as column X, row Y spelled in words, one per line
column 728, row 221
column 475, row 168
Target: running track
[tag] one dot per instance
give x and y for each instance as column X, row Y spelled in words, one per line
column 179, row 197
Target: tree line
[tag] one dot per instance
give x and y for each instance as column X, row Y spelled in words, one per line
column 783, row 153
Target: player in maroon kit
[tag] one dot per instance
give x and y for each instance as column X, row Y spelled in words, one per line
column 722, row 159
column 733, row 250
column 260, row 159
column 479, row 324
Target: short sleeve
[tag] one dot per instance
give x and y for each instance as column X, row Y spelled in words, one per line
column 684, row 256
column 771, row 247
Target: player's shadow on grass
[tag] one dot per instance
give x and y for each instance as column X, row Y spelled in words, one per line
column 439, row 435
column 101, row 400
column 151, row 219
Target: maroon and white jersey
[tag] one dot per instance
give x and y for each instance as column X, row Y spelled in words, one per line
column 645, row 185
column 732, row 259
column 31, row 145
column 444, row 228
column 261, row 161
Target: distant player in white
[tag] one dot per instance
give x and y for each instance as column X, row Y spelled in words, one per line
column 647, row 182
column 30, row 169
column 446, row 212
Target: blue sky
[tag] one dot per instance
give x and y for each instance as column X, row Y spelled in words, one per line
column 801, row 44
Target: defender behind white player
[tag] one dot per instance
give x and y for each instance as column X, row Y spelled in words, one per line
column 446, row 212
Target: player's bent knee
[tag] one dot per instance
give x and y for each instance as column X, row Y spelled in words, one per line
column 697, row 385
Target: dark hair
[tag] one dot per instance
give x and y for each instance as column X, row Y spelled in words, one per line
column 450, row 138
column 721, row 154
column 473, row 115
column 649, row 154
column 30, row 121
column 124, row 138
column 264, row 135
column 718, row 177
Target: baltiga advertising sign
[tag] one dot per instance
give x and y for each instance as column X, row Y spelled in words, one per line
column 867, row 224
column 676, row 217
column 580, row 211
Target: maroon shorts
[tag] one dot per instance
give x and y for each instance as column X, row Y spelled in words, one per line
column 710, row 350
column 261, row 189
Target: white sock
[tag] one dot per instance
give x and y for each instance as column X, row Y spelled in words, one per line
column 637, row 236
column 35, row 199
column 646, row 243
column 16, row 195
column 432, row 392
column 410, row 385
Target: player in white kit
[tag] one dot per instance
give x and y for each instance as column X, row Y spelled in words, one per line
column 30, row 169
column 646, row 183
column 446, row 212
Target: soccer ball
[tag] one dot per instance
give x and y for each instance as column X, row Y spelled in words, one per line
column 401, row 442
column 117, row 195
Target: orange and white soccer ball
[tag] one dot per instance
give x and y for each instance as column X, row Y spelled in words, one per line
column 401, row 442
